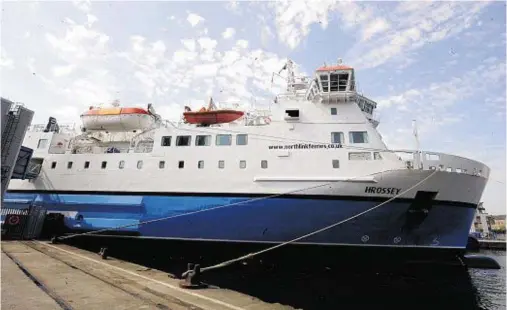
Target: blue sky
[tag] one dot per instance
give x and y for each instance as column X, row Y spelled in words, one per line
column 442, row 63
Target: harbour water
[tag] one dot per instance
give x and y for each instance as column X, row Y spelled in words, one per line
column 490, row 284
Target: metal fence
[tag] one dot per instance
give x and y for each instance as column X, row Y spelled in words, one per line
column 23, row 223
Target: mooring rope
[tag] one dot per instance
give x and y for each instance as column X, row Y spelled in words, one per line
column 215, row 208
column 229, row 262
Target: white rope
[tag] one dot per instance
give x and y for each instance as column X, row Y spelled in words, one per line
column 214, row 208
column 229, row 262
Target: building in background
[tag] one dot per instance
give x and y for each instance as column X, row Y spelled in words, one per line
column 497, row 223
column 481, row 222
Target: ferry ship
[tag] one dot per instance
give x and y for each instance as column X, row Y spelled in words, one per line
column 312, row 158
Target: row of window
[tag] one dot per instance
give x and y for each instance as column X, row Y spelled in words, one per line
column 354, row 137
column 205, row 140
column 221, row 163
column 161, row 164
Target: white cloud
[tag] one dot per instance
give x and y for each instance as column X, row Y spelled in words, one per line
column 228, row 33
column 189, row 44
column 83, row 5
column 91, row 19
column 242, row 43
column 194, row 19
column 63, row 70
column 5, row 61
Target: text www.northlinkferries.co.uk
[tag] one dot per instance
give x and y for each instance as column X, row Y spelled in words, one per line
column 304, row 146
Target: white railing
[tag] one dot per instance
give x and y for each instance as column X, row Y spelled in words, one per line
column 444, row 162
column 64, row 128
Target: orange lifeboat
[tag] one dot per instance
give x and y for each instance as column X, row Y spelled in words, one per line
column 116, row 119
column 211, row 115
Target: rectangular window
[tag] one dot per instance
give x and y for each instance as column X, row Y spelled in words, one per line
column 325, row 85
column 104, row 165
column 181, row 164
column 224, row 139
column 242, row 139
column 221, row 164
column 377, row 156
column 161, row 164
column 53, row 165
column 264, row 164
column 336, row 163
column 69, row 165
column 337, row 137
column 358, row 137
column 121, row 164
column 87, row 164
column 242, row 164
column 333, row 111
column 359, row 156
column 202, row 140
column 166, row 141
column 183, row 140
column 42, row 143
column 139, row 164
column 200, row 164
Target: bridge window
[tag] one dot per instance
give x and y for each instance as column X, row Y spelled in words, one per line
column 200, row 164
column 104, row 165
column 336, row 163
column 42, row 143
column 333, row 111
column 337, row 137
column 359, row 156
column 161, row 164
column 166, row 141
column 203, row 140
column 139, row 164
column 221, row 164
column 377, row 156
column 87, row 164
column 242, row 164
column 181, row 164
column 358, row 137
column 224, row 139
column 264, row 164
column 333, row 82
column 69, row 165
column 183, row 140
column 242, row 139
column 325, row 83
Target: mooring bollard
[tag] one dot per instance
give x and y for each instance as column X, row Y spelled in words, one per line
column 192, row 277
column 103, row 253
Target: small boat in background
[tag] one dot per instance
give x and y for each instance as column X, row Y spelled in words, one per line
column 211, row 115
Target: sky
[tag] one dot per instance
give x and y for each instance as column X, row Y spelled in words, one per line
column 440, row 63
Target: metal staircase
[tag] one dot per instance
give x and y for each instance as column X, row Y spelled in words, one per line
column 7, row 137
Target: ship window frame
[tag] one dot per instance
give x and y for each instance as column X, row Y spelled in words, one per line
column 335, row 163
column 44, row 142
column 181, row 164
column 166, row 141
column 207, row 140
column 365, row 137
column 200, row 164
column 139, row 164
column 180, row 138
column 161, row 164
column 341, row 134
column 377, row 156
column 238, row 139
column 69, row 164
column 367, row 158
column 221, row 164
column 103, row 165
column 242, row 164
column 264, row 164
column 219, row 136
column 87, row 164
column 121, row 164
column 53, row 165
column 334, row 111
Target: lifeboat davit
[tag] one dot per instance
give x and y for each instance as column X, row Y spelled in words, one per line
column 212, row 117
column 117, row 119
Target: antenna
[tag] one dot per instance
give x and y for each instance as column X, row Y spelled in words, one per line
column 340, row 61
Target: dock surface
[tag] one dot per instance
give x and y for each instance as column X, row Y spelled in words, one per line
column 41, row 275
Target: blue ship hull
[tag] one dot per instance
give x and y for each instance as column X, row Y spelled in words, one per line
column 272, row 220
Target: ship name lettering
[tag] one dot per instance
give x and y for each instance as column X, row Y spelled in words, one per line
column 382, row 190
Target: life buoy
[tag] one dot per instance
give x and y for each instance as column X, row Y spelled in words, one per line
column 267, row 120
column 13, row 220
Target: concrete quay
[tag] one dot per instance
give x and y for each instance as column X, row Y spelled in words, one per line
column 41, row 275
